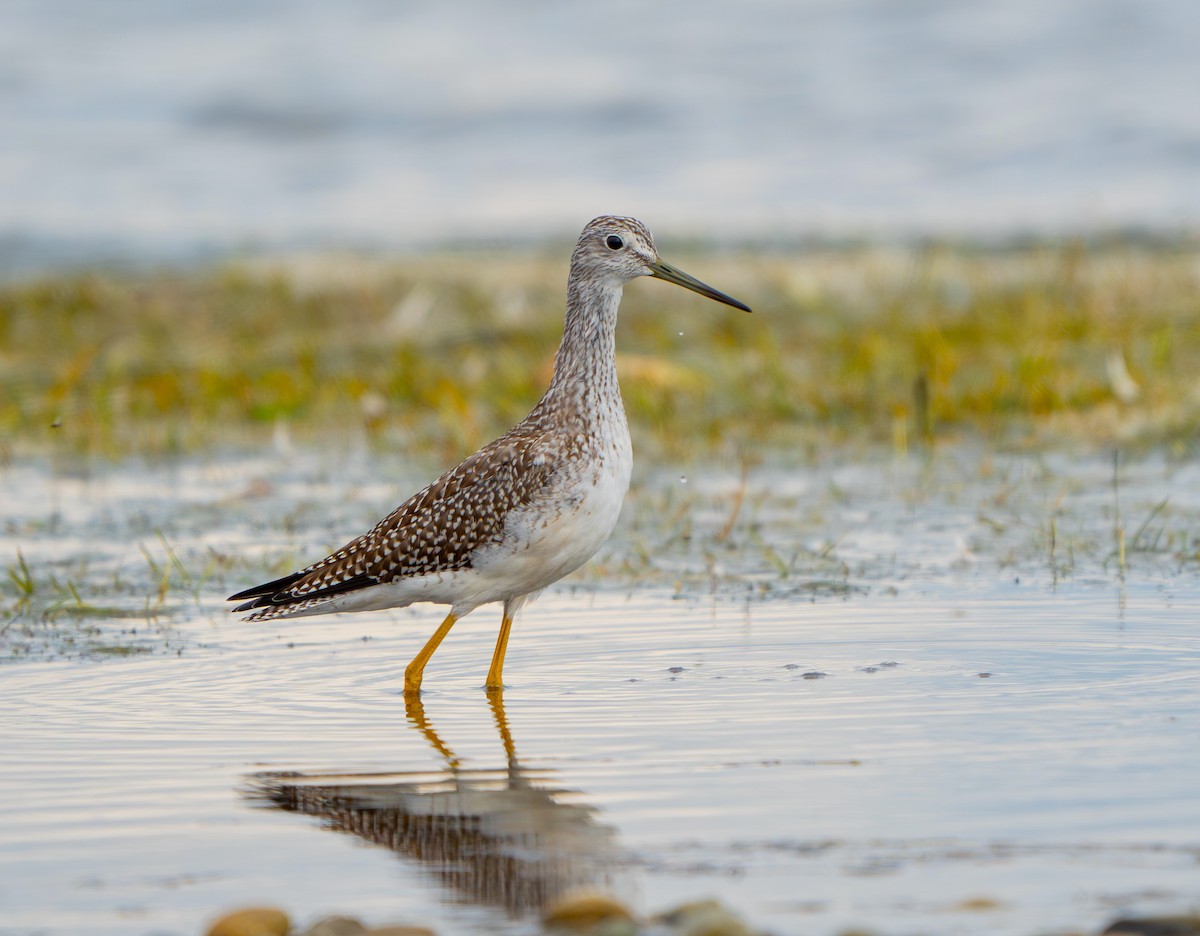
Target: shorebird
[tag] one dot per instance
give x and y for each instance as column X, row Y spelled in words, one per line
column 524, row 510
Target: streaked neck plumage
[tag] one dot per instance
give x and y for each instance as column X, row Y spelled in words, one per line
column 585, row 373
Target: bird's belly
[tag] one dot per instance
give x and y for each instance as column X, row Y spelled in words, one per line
column 557, row 535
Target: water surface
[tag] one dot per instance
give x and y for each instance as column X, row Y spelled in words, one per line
column 919, row 722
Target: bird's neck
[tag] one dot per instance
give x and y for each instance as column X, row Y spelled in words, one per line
column 585, row 371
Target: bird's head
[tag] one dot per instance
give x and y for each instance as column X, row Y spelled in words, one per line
column 618, row 250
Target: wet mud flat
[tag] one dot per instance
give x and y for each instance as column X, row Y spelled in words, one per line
column 954, row 694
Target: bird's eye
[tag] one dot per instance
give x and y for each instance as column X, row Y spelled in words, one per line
column 614, row 242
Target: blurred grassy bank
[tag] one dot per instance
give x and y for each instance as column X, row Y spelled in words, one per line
column 438, row 354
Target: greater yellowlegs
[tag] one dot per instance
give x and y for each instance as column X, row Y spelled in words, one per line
column 523, row 511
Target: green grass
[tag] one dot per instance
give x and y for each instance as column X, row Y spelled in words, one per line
column 439, row 354
column 45, row 615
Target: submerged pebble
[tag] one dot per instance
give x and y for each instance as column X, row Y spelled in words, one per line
column 591, row 912
column 703, row 918
column 252, row 921
column 1188, row 925
column 400, row 931
column 336, row 926
column 349, row 926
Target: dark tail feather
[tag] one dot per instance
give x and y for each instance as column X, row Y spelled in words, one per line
column 279, row 592
column 270, row 588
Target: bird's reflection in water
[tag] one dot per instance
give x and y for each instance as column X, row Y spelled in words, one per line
column 504, row 837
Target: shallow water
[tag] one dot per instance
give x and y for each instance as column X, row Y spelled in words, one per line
column 959, row 736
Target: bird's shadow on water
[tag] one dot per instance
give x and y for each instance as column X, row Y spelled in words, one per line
column 503, row 837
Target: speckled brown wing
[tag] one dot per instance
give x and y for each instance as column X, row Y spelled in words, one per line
column 436, row 530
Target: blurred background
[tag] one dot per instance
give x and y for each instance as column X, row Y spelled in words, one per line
column 151, row 131
column 266, row 267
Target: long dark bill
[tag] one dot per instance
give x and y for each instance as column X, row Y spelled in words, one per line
column 664, row 271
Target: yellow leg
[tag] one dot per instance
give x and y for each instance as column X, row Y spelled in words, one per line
column 495, row 678
column 416, row 669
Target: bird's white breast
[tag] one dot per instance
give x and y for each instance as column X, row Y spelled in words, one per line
column 560, row 532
